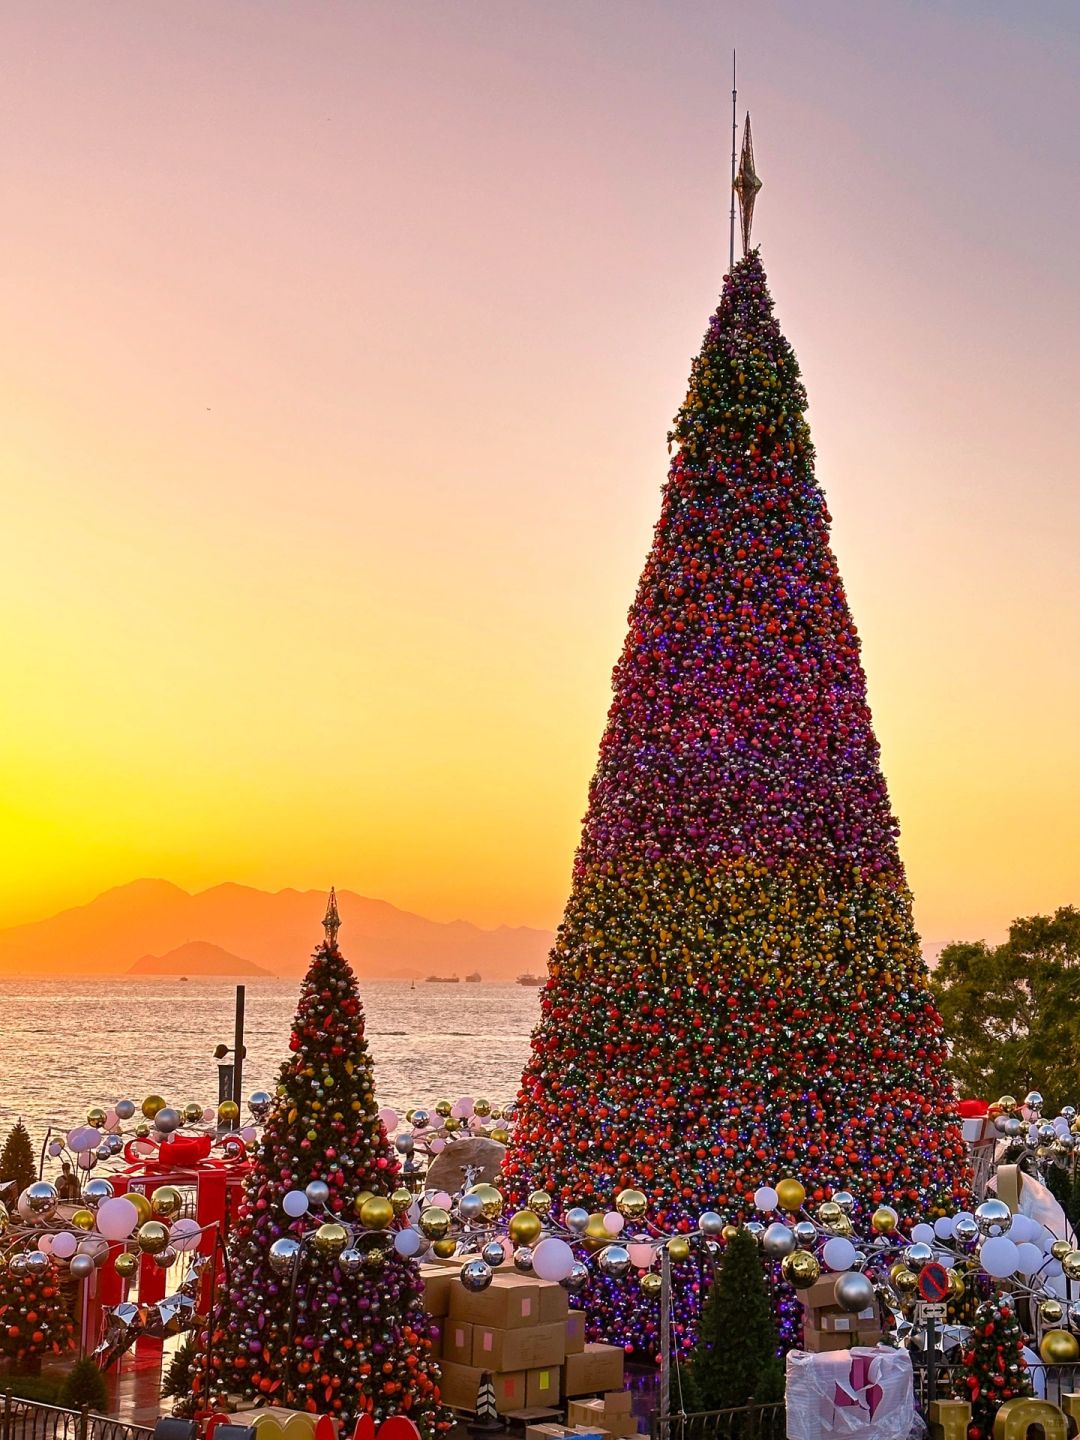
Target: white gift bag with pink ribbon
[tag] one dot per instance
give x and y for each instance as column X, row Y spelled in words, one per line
column 859, row 1394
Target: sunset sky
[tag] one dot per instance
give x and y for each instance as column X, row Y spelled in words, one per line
column 340, row 343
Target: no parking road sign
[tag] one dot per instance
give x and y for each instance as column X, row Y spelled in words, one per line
column 934, row 1283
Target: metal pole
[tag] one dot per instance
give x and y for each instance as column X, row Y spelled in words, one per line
column 41, row 1161
column 734, row 129
column 931, row 1357
column 665, row 1339
column 238, row 1048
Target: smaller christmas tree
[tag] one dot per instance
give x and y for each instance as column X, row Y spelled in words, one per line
column 17, row 1163
column 735, row 1360
column 994, row 1366
column 33, row 1317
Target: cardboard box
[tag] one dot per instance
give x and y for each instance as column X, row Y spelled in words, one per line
column 457, row 1344
column 547, row 1432
column 820, row 1342
column 554, row 1303
column 618, row 1402
column 503, row 1307
column 597, row 1367
column 841, row 1322
column 460, row 1384
column 542, row 1386
column 618, row 1422
column 575, row 1332
column 529, row 1347
column 821, row 1292
column 437, row 1283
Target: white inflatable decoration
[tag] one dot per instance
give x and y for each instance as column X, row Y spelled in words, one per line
column 843, row 1394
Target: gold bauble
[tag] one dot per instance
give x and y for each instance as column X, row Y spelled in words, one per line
column 679, row 1248
column 883, row 1220
column 790, row 1196
column 631, row 1203
column 83, row 1219
column 434, row 1223
column 1058, row 1347
column 193, row 1113
column 401, row 1200
column 142, row 1130
column 228, row 1112
column 362, row 1199
column 596, row 1234
column 330, row 1238
column 728, row 1233
column 843, row 1226
column 142, row 1205
column 151, row 1105
column 651, row 1284
column 376, row 1213
column 1071, row 1265
column 96, row 1117
column 444, row 1249
column 829, row 1213
column 497, row 1112
column 957, row 1288
column 450, row 1124
column 166, row 1202
column 443, row 1108
column 153, row 1237
column 800, row 1268
column 491, row 1200
column 1050, row 1312
column 126, row 1264
column 905, row 1281
column 481, row 1108
column 539, row 1202
column 1008, row 1104
column 501, row 1137
column 524, row 1227
column 1060, row 1248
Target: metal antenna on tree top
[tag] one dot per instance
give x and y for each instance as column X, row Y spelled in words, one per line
column 734, row 130
column 331, row 920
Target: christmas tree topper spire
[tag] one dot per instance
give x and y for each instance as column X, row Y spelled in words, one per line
column 331, row 920
column 746, row 185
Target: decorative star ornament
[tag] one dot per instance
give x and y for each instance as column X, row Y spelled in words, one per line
column 331, row 920
column 747, row 185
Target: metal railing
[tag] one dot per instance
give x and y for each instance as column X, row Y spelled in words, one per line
column 1049, row 1382
column 31, row 1420
column 748, row 1422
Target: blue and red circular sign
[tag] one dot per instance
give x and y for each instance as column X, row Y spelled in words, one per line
column 934, row 1283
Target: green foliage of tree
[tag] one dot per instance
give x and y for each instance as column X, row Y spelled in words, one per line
column 734, row 1361
column 85, row 1385
column 17, row 1162
column 994, row 1368
column 176, row 1381
column 1011, row 1011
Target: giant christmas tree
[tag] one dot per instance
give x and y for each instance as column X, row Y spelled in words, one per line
column 737, row 992
column 322, row 1329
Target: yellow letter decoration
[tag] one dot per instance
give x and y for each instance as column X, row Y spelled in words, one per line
column 949, row 1420
column 1012, row 1420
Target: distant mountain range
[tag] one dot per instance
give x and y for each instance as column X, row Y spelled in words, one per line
column 147, row 920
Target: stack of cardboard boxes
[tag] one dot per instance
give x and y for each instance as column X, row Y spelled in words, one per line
column 828, row 1326
column 521, row 1331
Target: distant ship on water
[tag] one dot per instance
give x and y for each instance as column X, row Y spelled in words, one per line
column 474, row 978
column 533, row 982
column 442, row 980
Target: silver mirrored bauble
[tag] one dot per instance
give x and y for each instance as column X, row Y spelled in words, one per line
column 805, row 1232
column 41, row 1198
column 577, row 1279
column 494, row 1254
column 1074, row 1315
column 854, row 1292
column 476, row 1274
column 965, row 1230
column 164, row 1258
column 755, row 1229
column 81, row 1267
column 993, row 1217
column 259, row 1103
column 95, row 1191
column 37, row 1262
column 421, row 1119
column 471, row 1208
column 17, row 1264
column 349, row 1261
column 168, row 1120
column 845, row 1200
column 778, row 1240
column 1033, row 1101
column 577, row 1219
column 404, row 1144
column 283, row 1253
column 1013, row 1127
column 125, row 1109
column 523, row 1260
column 317, row 1192
column 918, row 1255
column 710, row 1224
column 614, row 1260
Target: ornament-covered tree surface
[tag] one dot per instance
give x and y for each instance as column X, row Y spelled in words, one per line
column 17, row 1163
column 352, row 1336
column 994, row 1366
column 34, row 1321
column 737, row 990
column 735, row 1358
